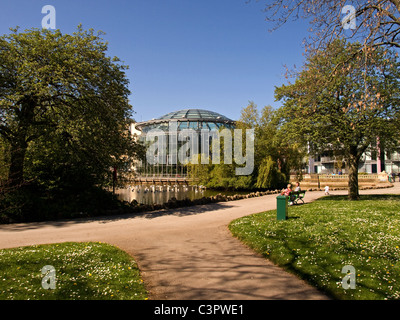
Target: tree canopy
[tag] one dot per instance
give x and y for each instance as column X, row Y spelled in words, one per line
column 64, row 109
column 344, row 104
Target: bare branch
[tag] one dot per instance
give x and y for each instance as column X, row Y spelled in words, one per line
column 378, row 21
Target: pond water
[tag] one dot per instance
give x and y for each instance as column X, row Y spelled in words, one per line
column 157, row 194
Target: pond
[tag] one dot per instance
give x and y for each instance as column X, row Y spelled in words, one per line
column 160, row 194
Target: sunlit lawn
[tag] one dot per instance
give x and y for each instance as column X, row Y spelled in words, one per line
column 83, row 271
column 322, row 237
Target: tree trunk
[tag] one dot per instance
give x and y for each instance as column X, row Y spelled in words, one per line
column 16, row 170
column 353, row 177
column 19, row 144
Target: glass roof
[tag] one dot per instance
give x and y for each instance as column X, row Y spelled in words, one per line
column 197, row 114
column 196, row 119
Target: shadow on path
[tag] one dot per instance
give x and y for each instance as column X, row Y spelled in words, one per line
column 178, row 212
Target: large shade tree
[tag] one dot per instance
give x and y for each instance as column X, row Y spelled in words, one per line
column 344, row 104
column 63, row 101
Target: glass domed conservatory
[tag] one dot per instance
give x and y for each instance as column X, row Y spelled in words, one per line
column 173, row 132
column 196, row 119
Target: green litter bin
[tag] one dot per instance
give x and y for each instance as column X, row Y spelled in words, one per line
column 281, row 207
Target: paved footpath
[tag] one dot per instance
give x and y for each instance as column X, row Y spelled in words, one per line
column 186, row 253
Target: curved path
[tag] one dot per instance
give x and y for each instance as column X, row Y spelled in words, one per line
column 186, row 253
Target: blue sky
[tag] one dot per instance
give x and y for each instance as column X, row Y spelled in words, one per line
column 210, row 54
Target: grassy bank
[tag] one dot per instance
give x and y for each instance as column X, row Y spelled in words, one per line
column 322, row 237
column 83, row 271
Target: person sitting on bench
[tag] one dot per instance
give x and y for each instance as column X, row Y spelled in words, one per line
column 287, row 191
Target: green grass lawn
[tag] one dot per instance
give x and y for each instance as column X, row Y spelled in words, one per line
column 322, row 237
column 83, row 271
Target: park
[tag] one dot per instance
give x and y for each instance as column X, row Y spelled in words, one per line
column 190, row 253
column 199, row 203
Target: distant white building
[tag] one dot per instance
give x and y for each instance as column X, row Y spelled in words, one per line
column 373, row 161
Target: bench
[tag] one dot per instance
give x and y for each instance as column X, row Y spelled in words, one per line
column 296, row 196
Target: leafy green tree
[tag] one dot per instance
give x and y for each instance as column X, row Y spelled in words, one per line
column 63, row 101
column 64, row 119
column 274, row 156
column 269, row 174
column 220, row 175
column 343, row 104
